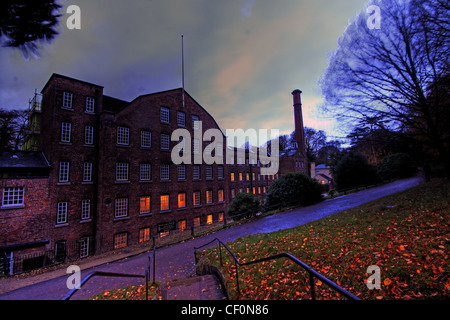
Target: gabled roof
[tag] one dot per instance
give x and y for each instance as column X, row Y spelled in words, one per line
column 23, row 159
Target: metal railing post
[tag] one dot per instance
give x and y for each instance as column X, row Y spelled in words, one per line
column 154, row 266
column 220, row 254
column 237, row 279
column 312, row 288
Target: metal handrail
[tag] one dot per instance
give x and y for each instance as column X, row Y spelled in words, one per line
column 151, row 260
column 312, row 273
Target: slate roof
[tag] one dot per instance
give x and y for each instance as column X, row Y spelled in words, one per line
column 23, row 159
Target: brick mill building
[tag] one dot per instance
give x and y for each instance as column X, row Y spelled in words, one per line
column 98, row 175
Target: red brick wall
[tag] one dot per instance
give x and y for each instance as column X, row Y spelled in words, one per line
column 30, row 222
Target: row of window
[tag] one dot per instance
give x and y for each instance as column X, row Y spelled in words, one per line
column 121, row 208
column 68, row 102
column 121, row 239
column 123, row 138
column 247, row 176
column 145, row 172
column 254, row 190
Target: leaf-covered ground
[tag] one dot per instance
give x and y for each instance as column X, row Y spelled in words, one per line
column 128, row 293
column 406, row 235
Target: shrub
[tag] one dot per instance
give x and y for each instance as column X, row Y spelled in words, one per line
column 244, row 205
column 353, row 170
column 396, row 166
column 293, row 189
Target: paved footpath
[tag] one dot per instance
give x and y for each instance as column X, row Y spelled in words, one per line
column 176, row 262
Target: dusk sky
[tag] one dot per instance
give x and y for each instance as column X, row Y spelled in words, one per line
column 243, row 58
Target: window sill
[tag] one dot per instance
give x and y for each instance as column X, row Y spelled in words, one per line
column 62, row 143
column 121, row 218
column 127, row 146
column 122, row 182
column 19, row 206
column 165, row 211
column 149, row 214
column 85, row 221
column 61, row 225
column 145, row 181
column 63, row 184
column 87, row 182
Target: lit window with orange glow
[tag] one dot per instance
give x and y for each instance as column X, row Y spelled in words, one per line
column 181, row 200
column 144, row 205
column 165, row 202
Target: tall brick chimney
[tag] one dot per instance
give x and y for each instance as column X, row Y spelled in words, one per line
column 298, row 117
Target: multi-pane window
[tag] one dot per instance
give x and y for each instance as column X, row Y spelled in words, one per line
column 121, row 171
column 165, row 141
column 220, row 195
column 219, row 149
column 231, row 176
column 165, row 115
column 146, row 139
column 123, row 136
column 208, row 148
column 64, row 171
column 84, row 247
column 66, row 130
column 120, row 240
column 13, row 196
column 144, row 205
column 67, row 100
column 220, row 216
column 196, row 221
column 195, row 122
column 240, row 176
column 87, row 172
column 209, row 219
column 181, row 225
column 121, row 208
column 181, row 169
column 247, row 175
column 145, row 172
column 209, row 198
column 196, row 198
column 85, row 209
column 233, row 193
column 164, row 172
column 195, row 146
column 61, row 215
column 196, row 172
column 90, row 104
column 181, row 200
column 88, row 135
column 181, row 119
column 209, row 172
column 220, row 172
column 164, row 202
column 144, row 235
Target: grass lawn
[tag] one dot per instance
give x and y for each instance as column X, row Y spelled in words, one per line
column 406, row 235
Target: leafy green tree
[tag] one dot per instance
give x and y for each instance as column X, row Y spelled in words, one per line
column 244, row 205
column 293, row 189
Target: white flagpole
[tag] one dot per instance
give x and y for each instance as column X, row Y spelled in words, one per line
column 182, row 65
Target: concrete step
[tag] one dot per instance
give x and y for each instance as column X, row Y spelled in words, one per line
column 205, row 287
